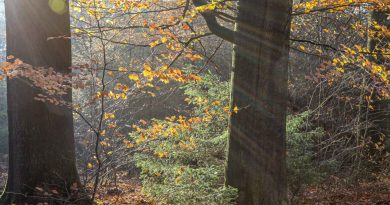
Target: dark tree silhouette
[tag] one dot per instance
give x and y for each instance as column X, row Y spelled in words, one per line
column 41, row 140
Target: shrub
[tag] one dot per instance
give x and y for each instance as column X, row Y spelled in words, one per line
column 182, row 159
column 302, row 142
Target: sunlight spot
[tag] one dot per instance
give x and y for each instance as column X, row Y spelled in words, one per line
column 58, row 6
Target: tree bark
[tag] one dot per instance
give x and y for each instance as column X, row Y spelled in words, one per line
column 257, row 148
column 41, row 140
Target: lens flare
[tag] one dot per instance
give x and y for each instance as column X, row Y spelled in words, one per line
column 58, row 6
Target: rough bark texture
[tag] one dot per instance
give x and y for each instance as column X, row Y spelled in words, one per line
column 41, row 141
column 257, row 153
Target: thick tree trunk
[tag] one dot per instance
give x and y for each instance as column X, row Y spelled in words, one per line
column 41, row 140
column 257, row 148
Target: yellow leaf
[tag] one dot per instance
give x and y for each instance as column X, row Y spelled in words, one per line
column 140, row 139
column 236, row 109
column 153, row 44
column 122, row 69
column 162, row 154
column 134, row 77
column 148, row 74
column 129, row 145
column 147, row 67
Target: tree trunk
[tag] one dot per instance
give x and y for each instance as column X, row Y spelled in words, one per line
column 41, row 140
column 381, row 114
column 257, row 148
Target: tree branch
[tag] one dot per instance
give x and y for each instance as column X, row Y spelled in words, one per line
column 212, row 23
column 314, row 43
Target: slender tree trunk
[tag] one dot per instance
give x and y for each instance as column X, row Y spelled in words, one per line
column 41, row 140
column 257, row 148
column 381, row 114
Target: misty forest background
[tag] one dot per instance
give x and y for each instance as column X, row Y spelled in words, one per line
column 162, row 135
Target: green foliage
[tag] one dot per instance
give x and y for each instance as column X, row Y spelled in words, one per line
column 302, row 141
column 188, row 167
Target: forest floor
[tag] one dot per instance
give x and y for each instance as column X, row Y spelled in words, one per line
column 338, row 191
column 334, row 191
column 126, row 191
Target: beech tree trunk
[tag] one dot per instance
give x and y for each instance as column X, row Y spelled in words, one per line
column 41, row 140
column 257, row 148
